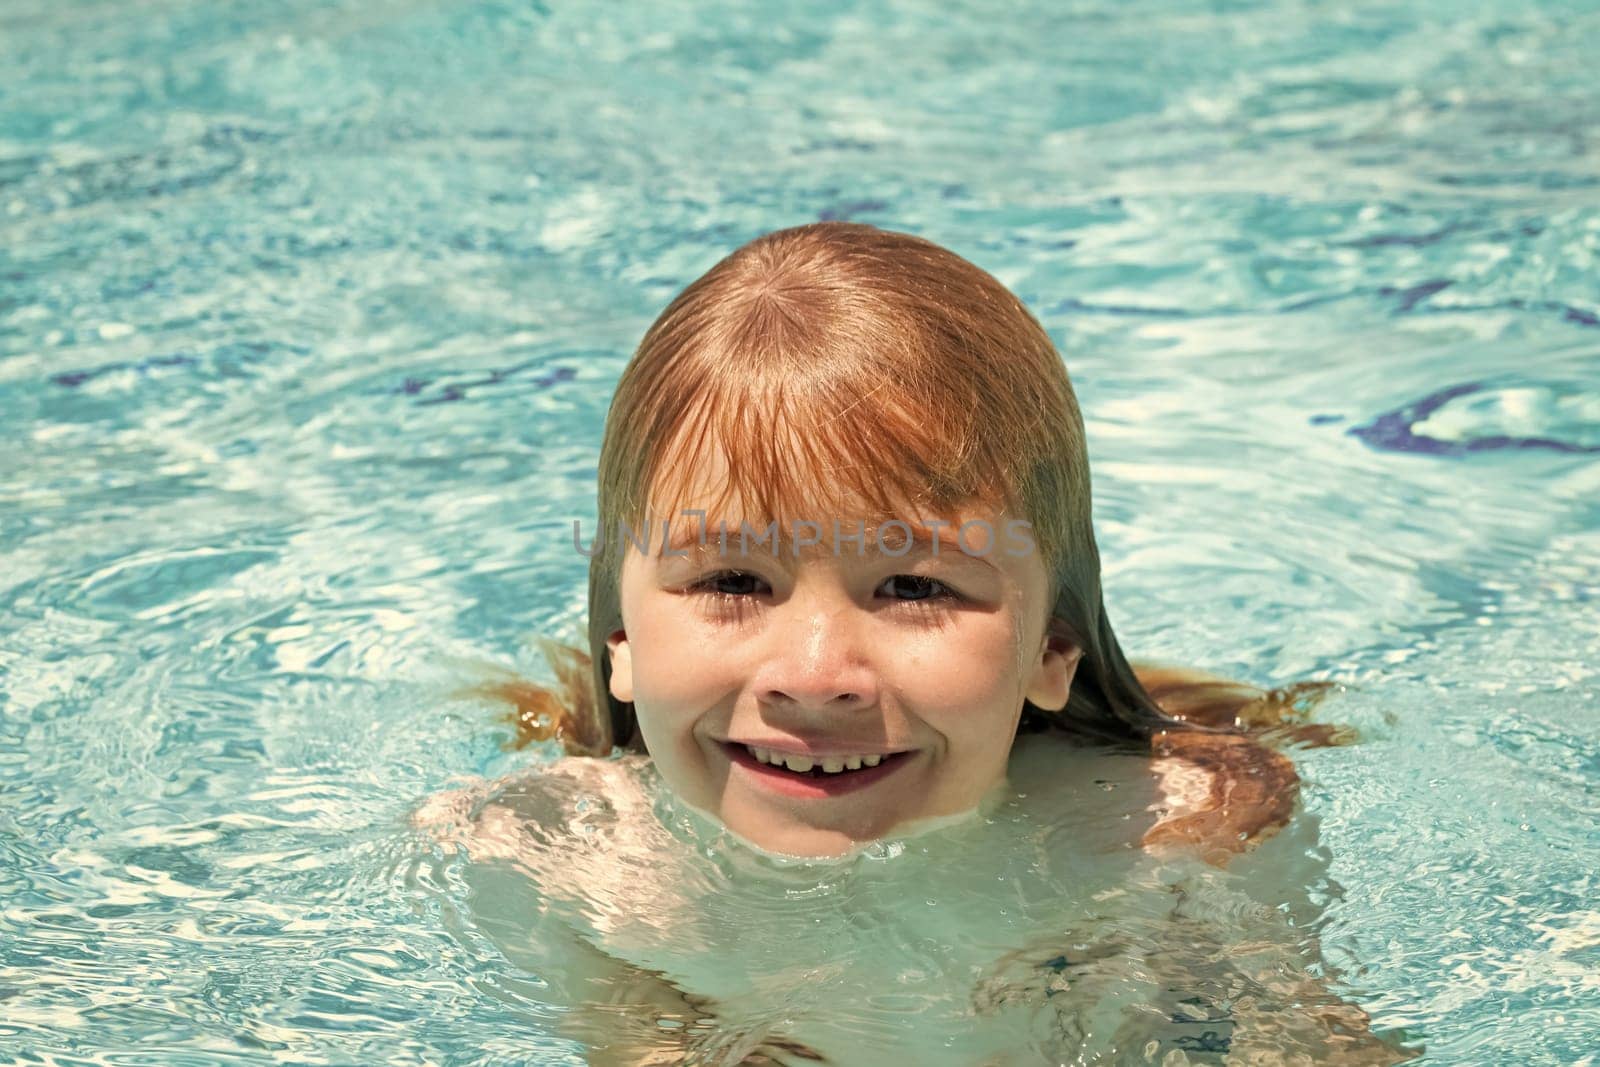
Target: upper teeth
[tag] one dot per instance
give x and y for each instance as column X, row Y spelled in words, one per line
column 829, row 764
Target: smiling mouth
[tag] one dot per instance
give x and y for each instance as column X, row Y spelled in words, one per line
column 816, row 765
column 816, row 780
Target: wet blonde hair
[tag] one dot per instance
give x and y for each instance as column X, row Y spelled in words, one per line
column 888, row 371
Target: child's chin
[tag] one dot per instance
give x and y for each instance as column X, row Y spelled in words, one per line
column 797, row 842
column 779, row 839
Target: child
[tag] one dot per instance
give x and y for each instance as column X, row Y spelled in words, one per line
column 844, row 572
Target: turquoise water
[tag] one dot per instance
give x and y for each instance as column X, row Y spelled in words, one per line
column 309, row 315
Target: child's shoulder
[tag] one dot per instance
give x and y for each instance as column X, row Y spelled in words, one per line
column 1224, row 791
column 538, row 806
column 1215, row 794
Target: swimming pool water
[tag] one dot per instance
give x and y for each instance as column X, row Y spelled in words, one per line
column 310, row 313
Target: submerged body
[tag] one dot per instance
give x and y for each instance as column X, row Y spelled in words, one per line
column 1051, row 925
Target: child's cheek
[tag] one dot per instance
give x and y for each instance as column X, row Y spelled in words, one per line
column 965, row 683
column 676, row 672
column 970, row 663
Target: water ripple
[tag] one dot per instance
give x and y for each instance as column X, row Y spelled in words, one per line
column 309, row 315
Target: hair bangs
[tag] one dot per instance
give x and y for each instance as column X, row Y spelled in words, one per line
column 820, row 447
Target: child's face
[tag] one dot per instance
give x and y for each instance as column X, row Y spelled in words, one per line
column 923, row 658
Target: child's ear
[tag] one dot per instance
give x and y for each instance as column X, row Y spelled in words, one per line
column 1051, row 682
column 621, row 665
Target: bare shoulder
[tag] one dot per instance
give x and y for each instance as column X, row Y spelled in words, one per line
column 1222, row 792
column 507, row 817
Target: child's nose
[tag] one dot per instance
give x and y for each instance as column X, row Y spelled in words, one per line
column 816, row 657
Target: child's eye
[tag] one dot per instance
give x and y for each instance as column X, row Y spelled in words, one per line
column 733, row 586
column 729, row 584
column 728, row 594
column 914, row 587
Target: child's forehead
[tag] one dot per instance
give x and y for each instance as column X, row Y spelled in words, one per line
column 847, row 528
